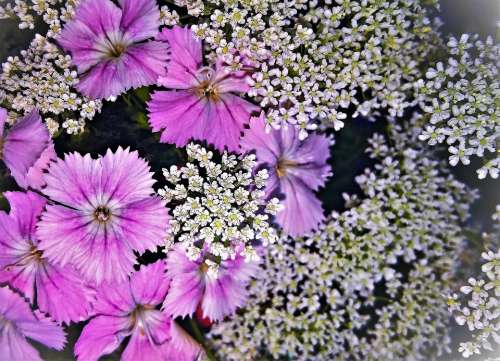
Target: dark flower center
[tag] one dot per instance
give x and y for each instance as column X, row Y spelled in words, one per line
column 137, row 317
column 102, row 214
column 116, row 50
column 283, row 165
column 204, row 267
column 207, row 90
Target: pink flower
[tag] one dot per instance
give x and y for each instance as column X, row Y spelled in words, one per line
column 205, row 104
column 296, row 169
column 129, row 309
column 26, row 149
column 108, row 45
column 105, row 210
column 60, row 290
column 17, row 322
column 190, row 285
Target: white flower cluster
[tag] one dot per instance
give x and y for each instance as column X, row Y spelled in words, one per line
column 367, row 286
column 53, row 12
column 315, row 63
column 481, row 312
column 462, row 98
column 43, row 77
column 219, row 206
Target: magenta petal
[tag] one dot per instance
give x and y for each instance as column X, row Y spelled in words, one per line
column 3, row 120
column 114, row 299
column 178, row 113
column 36, row 173
column 101, row 336
column 150, row 285
column 186, row 58
column 25, row 208
column 140, row 18
column 182, row 347
column 263, row 143
column 302, row 209
column 186, row 287
column 222, row 297
column 62, row 293
column 24, row 145
column 92, row 20
column 21, row 323
column 150, row 345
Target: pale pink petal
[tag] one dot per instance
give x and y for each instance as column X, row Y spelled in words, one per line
column 23, row 146
column 150, row 285
column 182, row 346
column 263, row 143
column 140, row 19
column 186, row 58
column 63, row 294
column 187, row 284
column 3, row 120
column 35, row 175
column 302, row 209
column 25, row 208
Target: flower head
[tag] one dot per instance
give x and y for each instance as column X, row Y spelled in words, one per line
column 58, row 290
column 218, row 204
column 18, row 321
column 109, row 46
column 26, row 148
column 105, row 210
column 296, row 169
column 130, row 309
column 205, row 104
column 219, row 292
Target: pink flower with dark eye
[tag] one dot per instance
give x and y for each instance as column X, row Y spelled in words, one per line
column 204, row 103
column 130, row 309
column 110, row 46
column 104, row 210
column 58, row 290
column 26, row 149
column 191, row 285
column 18, row 322
column 296, row 169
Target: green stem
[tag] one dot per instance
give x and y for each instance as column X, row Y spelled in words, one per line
column 199, row 337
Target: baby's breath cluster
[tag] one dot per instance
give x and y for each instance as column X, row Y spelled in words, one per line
column 462, row 98
column 315, row 61
column 478, row 305
column 219, row 206
column 53, row 12
column 370, row 284
column 43, row 77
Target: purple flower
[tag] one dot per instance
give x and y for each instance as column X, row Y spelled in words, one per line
column 296, row 169
column 105, row 210
column 130, row 309
column 60, row 290
column 204, row 105
column 109, row 48
column 191, row 285
column 26, row 149
column 17, row 322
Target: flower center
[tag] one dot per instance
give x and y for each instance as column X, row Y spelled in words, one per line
column 115, row 50
column 102, row 214
column 137, row 318
column 283, row 165
column 204, row 267
column 206, row 86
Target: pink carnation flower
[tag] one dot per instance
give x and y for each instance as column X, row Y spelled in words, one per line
column 296, row 169
column 108, row 45
column 26, row 149
column 191, row 285
column 205, row 104
column 105, row 209
column 17, row 322
column 130, row 309
column 60, row 290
